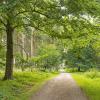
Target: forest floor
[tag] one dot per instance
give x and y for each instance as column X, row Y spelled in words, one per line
column 62, row 87
column 23, row 85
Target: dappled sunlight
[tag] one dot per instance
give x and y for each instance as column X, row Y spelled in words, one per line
column 41, row 38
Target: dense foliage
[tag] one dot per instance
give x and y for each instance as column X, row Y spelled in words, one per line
column 21, row 20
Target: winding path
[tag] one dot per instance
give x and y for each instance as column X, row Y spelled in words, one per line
column 63, row 87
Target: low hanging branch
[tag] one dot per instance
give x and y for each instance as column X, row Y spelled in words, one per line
column 2, row 22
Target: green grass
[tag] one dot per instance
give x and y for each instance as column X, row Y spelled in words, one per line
column 23, row 85
column 89, row 84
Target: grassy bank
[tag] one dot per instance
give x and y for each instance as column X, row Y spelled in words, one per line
column 23, row 86
column 90, row 84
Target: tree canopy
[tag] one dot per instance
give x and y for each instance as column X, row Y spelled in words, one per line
column 63, row 19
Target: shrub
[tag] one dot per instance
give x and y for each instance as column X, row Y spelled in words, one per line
column 92, row 73
column 70, row 70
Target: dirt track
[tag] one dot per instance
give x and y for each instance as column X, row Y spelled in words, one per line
column 62, row 87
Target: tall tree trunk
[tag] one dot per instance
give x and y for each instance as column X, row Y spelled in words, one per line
column 79, row 69
column 23, row 45
column 33, row 45
column 31, row 53
column 9, row 53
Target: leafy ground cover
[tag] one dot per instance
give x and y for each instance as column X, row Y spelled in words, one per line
column 89, row 83
column 23, row 85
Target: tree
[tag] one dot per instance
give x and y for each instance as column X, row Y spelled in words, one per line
column 50, row 56
column 82, row 53
column 43, row 15
column 14, row 14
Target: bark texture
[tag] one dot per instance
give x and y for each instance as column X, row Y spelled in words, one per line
column 9, row 52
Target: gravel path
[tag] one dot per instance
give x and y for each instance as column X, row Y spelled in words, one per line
column 62, row 87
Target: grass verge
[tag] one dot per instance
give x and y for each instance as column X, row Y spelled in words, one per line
column 91, row 86
column 23, row 86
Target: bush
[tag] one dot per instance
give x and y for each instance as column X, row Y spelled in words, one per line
column 92, row 73
column 70, row 70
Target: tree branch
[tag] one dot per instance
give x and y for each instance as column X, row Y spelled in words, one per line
column 22, row 12
column 2, row 22
column 26, row 25
column 34, row 11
